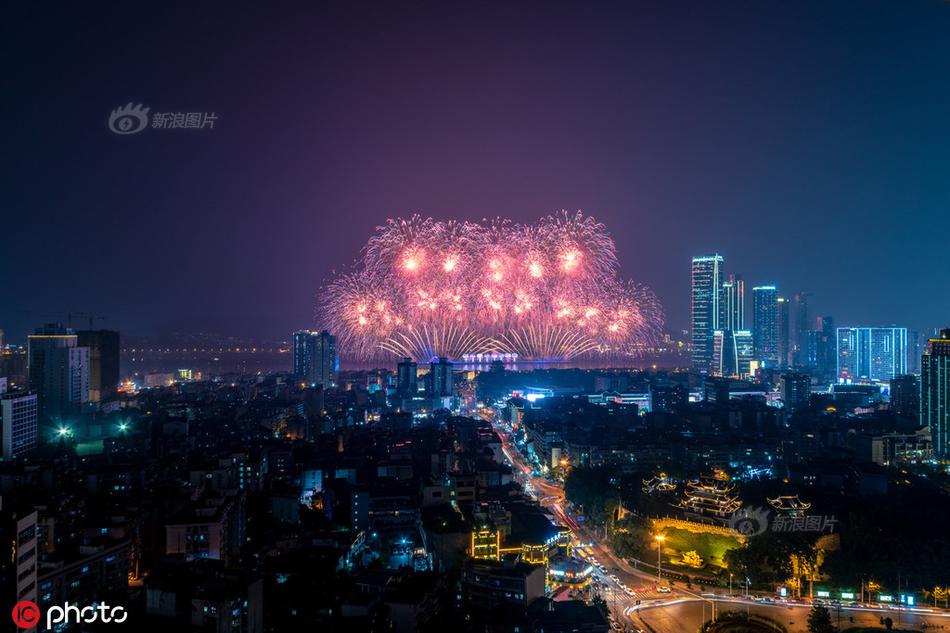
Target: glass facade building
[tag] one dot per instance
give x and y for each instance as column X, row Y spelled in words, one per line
column 765, row 321
column 705, row 307
column 935, row 392
column 871, row 353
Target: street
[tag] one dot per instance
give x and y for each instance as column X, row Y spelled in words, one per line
column 678, row 610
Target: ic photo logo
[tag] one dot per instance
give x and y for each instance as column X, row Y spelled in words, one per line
column 26, row 614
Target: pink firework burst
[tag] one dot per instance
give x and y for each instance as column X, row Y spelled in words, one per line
column 548, row 290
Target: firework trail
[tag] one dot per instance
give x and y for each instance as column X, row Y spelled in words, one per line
column 549, row 290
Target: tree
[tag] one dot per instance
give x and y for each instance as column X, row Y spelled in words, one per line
column 819, row 620
column 693, row 559
column 593, row 489
column 629, row 538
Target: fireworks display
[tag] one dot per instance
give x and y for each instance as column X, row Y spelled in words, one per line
column 545, row 291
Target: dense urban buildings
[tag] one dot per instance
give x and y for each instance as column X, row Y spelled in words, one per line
column 400, row 337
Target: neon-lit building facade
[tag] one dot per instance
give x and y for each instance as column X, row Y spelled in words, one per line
column 935, row 392
column 871, row 353
column 765, row 321
column 706, row 308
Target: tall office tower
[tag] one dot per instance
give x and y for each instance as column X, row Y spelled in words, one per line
column 827, row 361
column 798, row 325
column 913, row 352
column 3, row 341
column 327, row 361
column 440, row 377
column 59, row 371
column 871, row 353
column 784, row 350
column 732, row 308
column 407, row 378
column 796, row 389
column 810, row 349
column 732, row 353
column 705, row 307
column 935, row 392
column 19, row 421
column 765, row 324
column 103, row 362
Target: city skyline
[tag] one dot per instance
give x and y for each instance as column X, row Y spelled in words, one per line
column 840, row 136
column 536, row 316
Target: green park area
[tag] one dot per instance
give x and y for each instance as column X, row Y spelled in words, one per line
column 710, row 548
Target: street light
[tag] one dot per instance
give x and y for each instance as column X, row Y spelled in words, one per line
column 659, row 553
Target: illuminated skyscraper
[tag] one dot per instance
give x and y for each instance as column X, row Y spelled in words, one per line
column 871, row 353
column 732, row 316
column 732, row 353
column 784, row 351
column 935, row 392
column 705, row 307
column 765, row 321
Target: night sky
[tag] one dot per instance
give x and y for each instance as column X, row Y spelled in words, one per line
column 807, row 142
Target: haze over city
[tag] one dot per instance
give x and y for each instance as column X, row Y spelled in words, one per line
column 804, row 141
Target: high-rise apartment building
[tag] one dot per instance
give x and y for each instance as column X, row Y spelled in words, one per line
column 315, row 358
column 103, row 362
column 705, row 307
column 796, row 390
column 19, row 421
column 59, row 371
column 871, row 353
column 407, row 378
column 784, row 348
column 935, row 392
column 765, row 322
column 327, row 360
column 440, row 378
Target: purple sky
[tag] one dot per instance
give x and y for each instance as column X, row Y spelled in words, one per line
column 807, row 142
